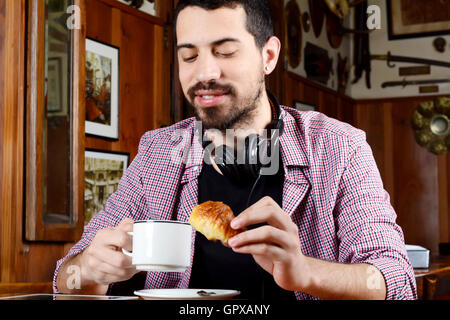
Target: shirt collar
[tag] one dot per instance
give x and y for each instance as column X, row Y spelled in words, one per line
column 292, row 142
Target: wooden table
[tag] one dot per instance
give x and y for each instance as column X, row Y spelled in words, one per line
column 434, row 283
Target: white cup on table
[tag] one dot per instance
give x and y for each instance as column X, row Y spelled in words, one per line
column 161, row 245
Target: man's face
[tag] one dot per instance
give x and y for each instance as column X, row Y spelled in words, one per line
column 221, row 69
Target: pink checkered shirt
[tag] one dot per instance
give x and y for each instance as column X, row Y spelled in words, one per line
column 332, row 191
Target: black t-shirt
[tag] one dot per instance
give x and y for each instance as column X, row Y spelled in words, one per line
column 218, row 267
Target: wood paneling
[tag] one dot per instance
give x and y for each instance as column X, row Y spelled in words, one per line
column 19, row 262
column 325, row 100
column 12, row 105
column 17, row 289
column 416, row 180
column 139, row 38
column 144, row 97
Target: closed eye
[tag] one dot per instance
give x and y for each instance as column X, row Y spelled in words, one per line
column 189, row 59
column 225, row 54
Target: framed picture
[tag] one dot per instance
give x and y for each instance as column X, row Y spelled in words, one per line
column 303, row 106
column 102, row 90
column 102, row 173
column 54, row 88
column 418, row 18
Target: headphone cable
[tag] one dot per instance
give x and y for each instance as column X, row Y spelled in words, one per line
column 253, row 189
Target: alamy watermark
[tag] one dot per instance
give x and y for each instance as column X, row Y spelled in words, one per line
column 74, row 280
column 373, row 279
column 74, row 20
column 374, row 19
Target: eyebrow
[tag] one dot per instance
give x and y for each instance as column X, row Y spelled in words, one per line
column 215, row 43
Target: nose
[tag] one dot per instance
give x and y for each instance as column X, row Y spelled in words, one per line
column 207, row 69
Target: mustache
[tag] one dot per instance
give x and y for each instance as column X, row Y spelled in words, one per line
column 224, row 89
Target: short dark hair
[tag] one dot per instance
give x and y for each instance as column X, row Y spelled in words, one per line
column 259, row 20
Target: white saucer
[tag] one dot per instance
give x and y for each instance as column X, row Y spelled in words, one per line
column 186, row 294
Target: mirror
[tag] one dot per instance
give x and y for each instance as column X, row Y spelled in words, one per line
column 55, row 121
column 57, row 105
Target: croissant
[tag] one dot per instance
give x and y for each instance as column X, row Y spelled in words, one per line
column 212, row 219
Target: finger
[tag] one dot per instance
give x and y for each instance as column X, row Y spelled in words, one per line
column 104, row 273
column 264, row 234
column 269, row 251
column 115, row 273
column 115, row 258
column 265, row 210
column 116, row 238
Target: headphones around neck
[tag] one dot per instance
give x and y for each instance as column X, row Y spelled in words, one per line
column 246, row 165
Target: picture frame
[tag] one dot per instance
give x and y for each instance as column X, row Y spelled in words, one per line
column 102, row 90
column 417, row 18
column 54, row 87
column 102, row 173
column 301, row 106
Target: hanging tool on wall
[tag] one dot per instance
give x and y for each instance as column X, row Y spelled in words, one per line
column 341, row 8
column 138, row 3
column 317, row 13
column 406, row 83
column 361, row 49
column 391, row 58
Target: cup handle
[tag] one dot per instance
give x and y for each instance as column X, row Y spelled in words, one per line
column 126, row 252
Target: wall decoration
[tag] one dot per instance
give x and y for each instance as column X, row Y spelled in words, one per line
column 429, row 89
column 138, row 3
column 404, row 83
column 318, row 65
column 361, row 48
column 102, row 90
column 343, row 70
column 418, row 18
column 54, row 88
column 389, row 58
column 440, row 44
column 306, row 21
column 102, row 171
column 317, row 12
column 414, row 71
column 431, row 125
column 339, row 8
column 335, row 32
column 301, row 106
column 293, row 33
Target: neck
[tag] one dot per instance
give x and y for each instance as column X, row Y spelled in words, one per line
column 262, row 116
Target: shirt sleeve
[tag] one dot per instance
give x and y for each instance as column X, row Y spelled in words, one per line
column 366, row 221
column 127, row 202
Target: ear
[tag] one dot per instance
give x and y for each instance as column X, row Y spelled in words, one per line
column 271, row 53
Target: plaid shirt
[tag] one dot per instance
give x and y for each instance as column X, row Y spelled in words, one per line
column 332, row 191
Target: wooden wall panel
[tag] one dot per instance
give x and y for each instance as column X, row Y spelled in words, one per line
column 370, row 119
column 325, row 100
column 136, row 34
column 416, row 180
column 416, row 184
column 2, row 81
column 12, row 135
column 144, row 105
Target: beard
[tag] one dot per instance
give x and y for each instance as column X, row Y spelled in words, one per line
column 221, row 117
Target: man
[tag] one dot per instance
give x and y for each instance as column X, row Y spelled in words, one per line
column 321, row 227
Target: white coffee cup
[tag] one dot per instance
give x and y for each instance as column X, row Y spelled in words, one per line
column 161, row 245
